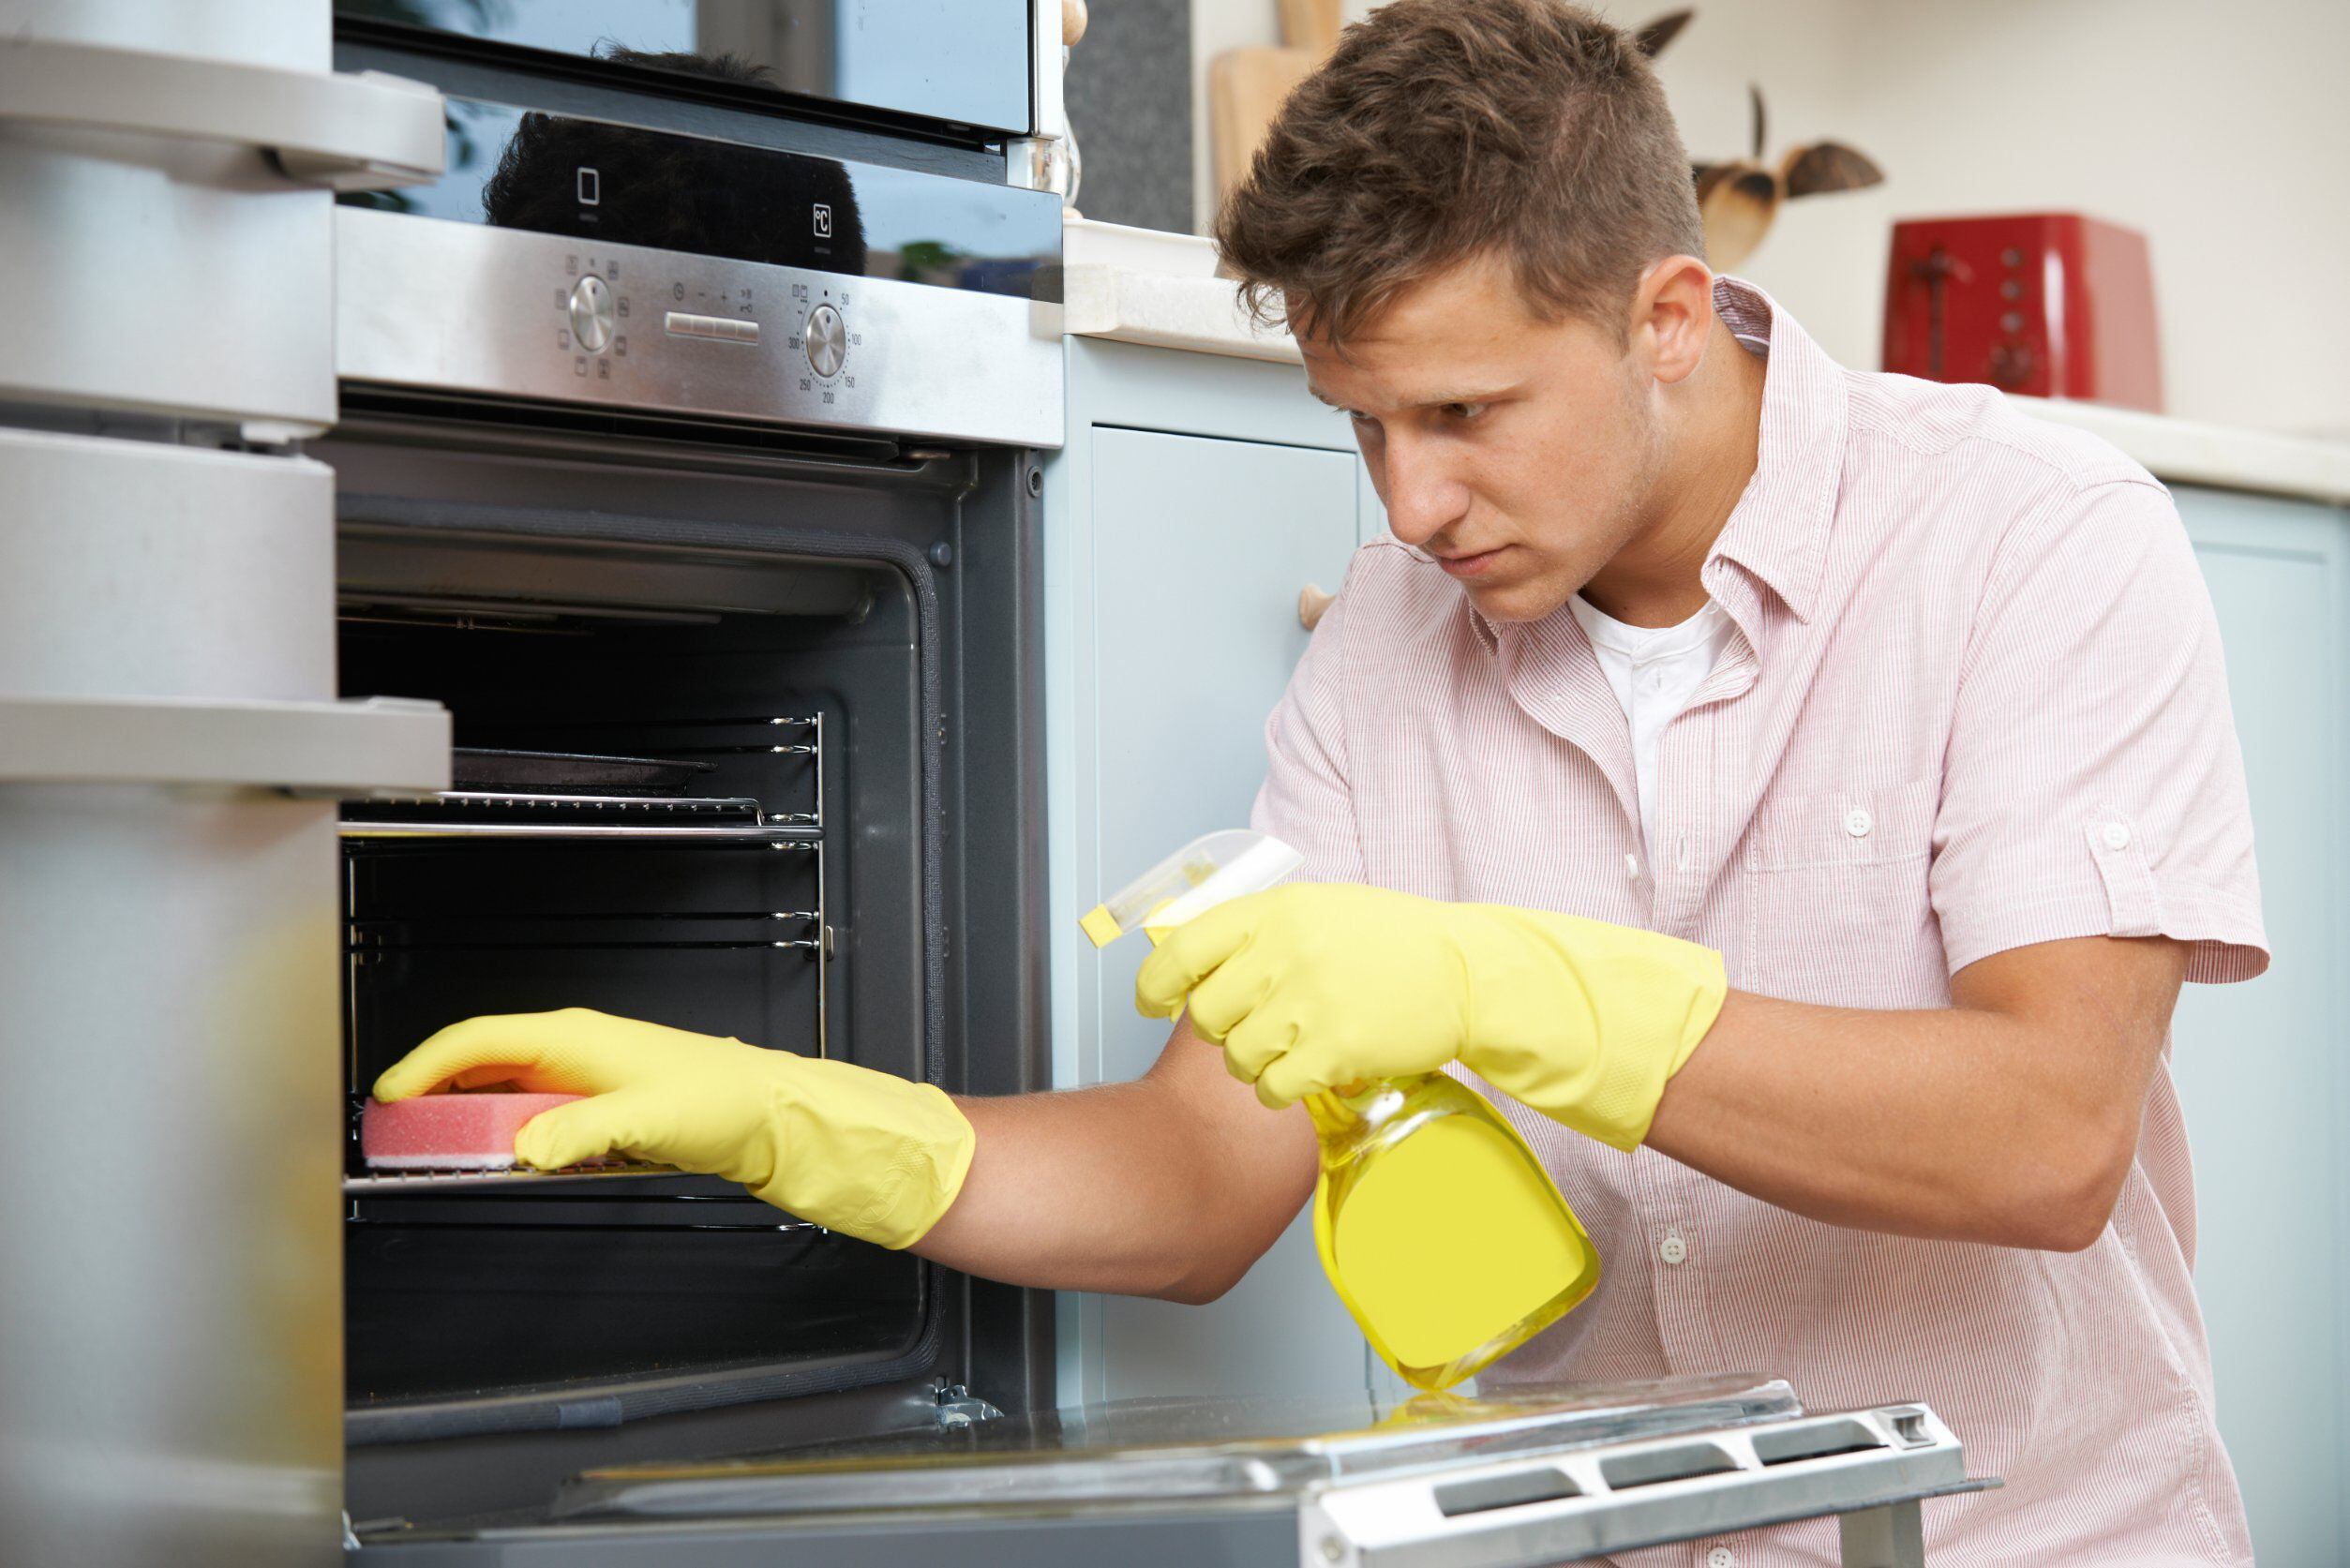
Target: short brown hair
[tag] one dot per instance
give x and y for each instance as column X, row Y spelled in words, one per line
column 1439, row 130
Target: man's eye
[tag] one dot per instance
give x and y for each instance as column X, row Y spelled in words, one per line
column 1463, row 412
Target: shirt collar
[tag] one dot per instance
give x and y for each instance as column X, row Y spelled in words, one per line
column 1779, row 530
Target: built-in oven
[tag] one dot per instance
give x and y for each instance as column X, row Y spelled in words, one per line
column 695, row 475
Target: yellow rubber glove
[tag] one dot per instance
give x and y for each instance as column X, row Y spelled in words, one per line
column 1317, row 984
column 856, row 1150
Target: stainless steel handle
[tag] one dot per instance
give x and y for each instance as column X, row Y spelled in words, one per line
column 363, row 131
column 1311, row 603
column 338, row 749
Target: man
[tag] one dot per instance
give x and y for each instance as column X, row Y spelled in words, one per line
column 1798, row 794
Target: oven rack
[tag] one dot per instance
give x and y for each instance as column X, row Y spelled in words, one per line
column 359, row 939
column 568, row 1200
column 472, row 813
column 773, row 735
column 508, row 1227
column 385, row 1183
column 673, row 819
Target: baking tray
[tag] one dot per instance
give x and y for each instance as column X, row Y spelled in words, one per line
column 478, row 767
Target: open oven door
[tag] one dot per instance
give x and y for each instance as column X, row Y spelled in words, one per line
column 1534, row 1475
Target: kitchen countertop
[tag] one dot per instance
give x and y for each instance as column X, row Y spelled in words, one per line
column 1161, row 290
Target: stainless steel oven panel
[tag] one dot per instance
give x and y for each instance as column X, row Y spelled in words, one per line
column 450, row 306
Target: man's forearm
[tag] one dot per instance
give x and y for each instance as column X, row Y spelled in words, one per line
column 1988, row 1122
column 1881, row 1121
column 1121, row 1189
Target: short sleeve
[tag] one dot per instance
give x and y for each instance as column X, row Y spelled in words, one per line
column 2093, row 785
column 1306, row 800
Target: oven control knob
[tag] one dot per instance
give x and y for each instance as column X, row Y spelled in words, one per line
column 591, row 313
column 827, row 340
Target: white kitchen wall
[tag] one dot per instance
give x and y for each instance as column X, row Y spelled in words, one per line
column 2221, row 131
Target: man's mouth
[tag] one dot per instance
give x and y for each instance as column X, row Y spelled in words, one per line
column 1472, row 565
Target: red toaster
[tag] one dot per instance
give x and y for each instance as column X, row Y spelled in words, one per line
column 2053, row 304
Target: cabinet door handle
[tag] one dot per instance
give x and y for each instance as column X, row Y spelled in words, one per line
column 350, row 131
column 370, row 746
column 1311, row 603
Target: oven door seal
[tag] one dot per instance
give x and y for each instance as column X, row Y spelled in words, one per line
column 609, row 1405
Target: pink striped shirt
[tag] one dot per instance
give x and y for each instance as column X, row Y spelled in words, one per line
column 1974, row 700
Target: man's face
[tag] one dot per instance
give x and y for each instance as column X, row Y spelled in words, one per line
column 1519, row 452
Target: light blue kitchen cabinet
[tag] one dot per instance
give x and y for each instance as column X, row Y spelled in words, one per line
column 1197, row 496
column 2263, row 1067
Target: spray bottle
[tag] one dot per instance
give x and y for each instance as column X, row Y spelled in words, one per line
column 1438, row 1226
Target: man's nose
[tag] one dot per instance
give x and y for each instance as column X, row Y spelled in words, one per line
column 1422, row 498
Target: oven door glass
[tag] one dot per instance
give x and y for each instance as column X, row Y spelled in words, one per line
column 1158, row 1452
column 963, row 62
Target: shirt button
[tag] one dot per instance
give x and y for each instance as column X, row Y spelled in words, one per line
column 2117, row 835
column 1857, row 822
column 1672, row 1248
column 1721, row 1556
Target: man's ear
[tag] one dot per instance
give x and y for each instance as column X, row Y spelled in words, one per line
column 1672, row 316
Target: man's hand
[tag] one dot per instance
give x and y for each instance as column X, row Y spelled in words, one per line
column 854, row 1150
column 1317, row 984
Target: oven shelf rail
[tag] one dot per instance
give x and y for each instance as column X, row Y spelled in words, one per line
column 367, row 933
column 577, row 817
column 383, row 1183
column 579, row 1198
column 666, row 819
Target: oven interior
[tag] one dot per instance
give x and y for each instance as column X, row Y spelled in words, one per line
column 703, row 778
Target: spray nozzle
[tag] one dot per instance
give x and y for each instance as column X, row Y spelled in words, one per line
column 1194, row 879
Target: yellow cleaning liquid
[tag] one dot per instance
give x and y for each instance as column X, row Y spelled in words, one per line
column 1439, row 1228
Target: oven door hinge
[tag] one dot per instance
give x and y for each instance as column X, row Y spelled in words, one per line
column 959, row 1407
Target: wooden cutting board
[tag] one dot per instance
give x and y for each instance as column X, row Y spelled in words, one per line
column 1245, row 87
column 1311, row 24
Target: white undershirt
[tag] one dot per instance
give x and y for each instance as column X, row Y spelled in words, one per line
column 1654, row 670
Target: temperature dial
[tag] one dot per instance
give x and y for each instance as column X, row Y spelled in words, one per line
column 827, row 340
column 591, row 313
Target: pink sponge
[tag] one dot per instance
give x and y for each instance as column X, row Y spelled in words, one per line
column 449, row 1132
